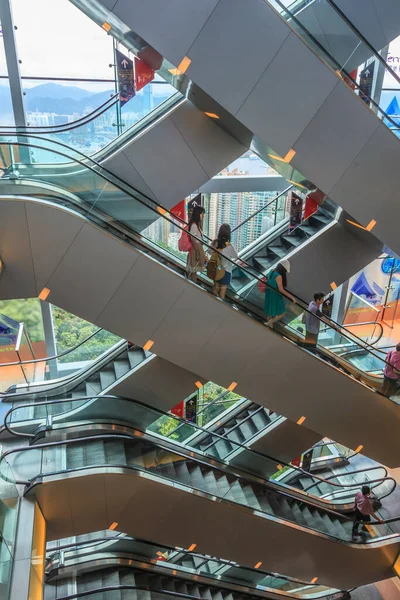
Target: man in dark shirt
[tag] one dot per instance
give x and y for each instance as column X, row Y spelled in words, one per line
column 312, row 319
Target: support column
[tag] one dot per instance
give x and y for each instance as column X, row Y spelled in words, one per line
column 339, row 307
column 49, row 337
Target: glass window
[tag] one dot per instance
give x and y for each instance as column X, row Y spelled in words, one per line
column 55, row 39
column 6, row 113
column 3, row 65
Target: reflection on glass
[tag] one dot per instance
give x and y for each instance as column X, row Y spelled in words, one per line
column 6, row 114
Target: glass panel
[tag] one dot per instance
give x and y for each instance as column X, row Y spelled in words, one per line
column 6, row 114
column 61, row 105
column 46, row 29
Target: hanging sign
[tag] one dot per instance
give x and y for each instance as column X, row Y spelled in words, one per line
column 366, row 81
column 143, row 74
column 296, row 209
column 307, row 460
column 191, row 409
column 126, row 78
column 179, row 410
column 196, row 201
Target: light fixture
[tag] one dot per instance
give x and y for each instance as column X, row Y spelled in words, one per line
column 44, row 294
column 192, row 547
column 113, row 526
column 148, row 345
column 258, row 565
column 106, row 26
column 182, row 67
column 359, row 448
column 297, row 184
column 211, row 115
column 369, row 227
column 232, row 386
column 285, row 159
column 301, row 420
column 333, row 285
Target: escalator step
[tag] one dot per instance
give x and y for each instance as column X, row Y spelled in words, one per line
column 182, row 473
column 135, row 357
column 180, row 586
column 193, row 590
column 236, row 494
column 196, row 477
column 127, row 577
column 115, row 452
column 223, row 483
column 107, row 378
column 320, row 524
column 92, row 387
column 298, row 515
column 205, row 593
column 210, row 482
column 247, row 429
column 95, row 453
column 251, row 498
column 121, row 367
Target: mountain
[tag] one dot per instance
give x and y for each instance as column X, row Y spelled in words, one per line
column 57, row 91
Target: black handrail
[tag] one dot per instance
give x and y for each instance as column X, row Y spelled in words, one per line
column 161, row 211
column 46, row 358
column 262, row 208
column 162, row 413
column 337, row 66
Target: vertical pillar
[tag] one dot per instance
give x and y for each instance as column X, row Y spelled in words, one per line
column 12, row 62
column 339, row 306
column 27, row 578
column 49, row 337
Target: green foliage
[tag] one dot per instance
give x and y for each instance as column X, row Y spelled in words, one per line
column 71, row 330
column 28, row 311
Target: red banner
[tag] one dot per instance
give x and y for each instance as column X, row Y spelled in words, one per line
column 143, row 74
column 180, row 210
column 313, row 200
column 179, row 410
column 296, row 462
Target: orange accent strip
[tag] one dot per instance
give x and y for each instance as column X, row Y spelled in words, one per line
column 44, row 294
column 359, row 448
column 106, row 26
column 232, row 386
column 149, row 344
column 301, row 420
column 333, row 285
column 211, row 115
column 314, row 580
column 192, row 547
column 258, row 565
column 369, row 227
column 113, row 526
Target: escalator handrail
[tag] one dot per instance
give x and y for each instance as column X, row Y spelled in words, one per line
column 376, row 323
column 162, row 212
column 55, row 357
column 348, row 473
column 67, row 380
column 177, row 451
column 168, row 593
column 84, row 120
column 285, row 191
column 338, row 67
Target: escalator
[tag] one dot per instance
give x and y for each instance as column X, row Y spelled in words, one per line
column 125, row 476
column 93, row 371
column 302, row 137
column 81, row 231
column 98, row 561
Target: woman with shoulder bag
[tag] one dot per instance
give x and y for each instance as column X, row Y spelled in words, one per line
column 196, row 259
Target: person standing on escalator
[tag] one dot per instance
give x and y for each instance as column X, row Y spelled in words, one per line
column 364, row 510
column 391, row 372
column 274, row 303
column 196, row 259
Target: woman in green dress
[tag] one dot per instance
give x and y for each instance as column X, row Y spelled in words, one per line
column 274, row 303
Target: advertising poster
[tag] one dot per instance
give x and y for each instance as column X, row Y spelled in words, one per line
column 296, row 209
column 126, row 78
column 313, row 200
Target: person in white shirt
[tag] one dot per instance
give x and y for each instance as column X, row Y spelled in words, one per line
column 223, row 244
